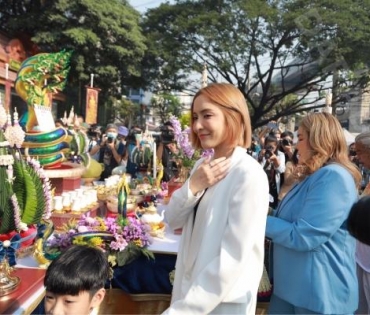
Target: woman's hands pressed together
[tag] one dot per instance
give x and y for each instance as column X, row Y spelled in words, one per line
column 209, row 173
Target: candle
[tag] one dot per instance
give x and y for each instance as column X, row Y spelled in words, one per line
column 154, row 160
column 6, row 71
column 92, row 80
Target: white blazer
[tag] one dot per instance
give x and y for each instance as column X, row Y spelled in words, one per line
column 220, row 259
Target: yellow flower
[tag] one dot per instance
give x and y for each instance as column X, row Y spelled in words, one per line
column 138, row 243
column 96, row 241
column 79, row 240
column 112, row 260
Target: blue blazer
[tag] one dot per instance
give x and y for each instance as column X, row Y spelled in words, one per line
column 313, row 253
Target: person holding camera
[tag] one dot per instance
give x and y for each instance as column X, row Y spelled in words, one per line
column 286, row 145
column 110, row 151
column 167, row 151
column 273, row 162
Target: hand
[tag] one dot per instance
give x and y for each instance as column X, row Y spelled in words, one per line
column 110, row 145
column 208, row 174
column 288, row 149
column 172, row 147
column 273, row 157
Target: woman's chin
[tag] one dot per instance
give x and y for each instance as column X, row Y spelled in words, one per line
column 206, row 146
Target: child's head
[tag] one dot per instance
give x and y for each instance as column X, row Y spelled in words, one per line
column 74, row 282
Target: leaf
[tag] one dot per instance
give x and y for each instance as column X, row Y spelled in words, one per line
column 147, row 253
column 30, row 206
column 7, row 220
column 6, row 209
column 35, row 201
column 19, row 184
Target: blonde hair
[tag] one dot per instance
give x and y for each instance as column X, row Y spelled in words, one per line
column 234, row 107
column 328, row 144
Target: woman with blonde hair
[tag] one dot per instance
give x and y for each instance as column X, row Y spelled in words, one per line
column 222, row 210
column 314, row 269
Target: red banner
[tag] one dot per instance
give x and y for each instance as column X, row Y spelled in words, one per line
column 91, row 105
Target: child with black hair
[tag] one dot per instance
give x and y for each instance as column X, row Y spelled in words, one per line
column 74, row 282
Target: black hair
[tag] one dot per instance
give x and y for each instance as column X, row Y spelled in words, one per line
column 359, row 220
column 287, row 133
column 272, row 139
column 79, row 268
column 168, row 123
column 274, row 131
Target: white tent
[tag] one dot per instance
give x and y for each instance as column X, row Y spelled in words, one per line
column 350, row 138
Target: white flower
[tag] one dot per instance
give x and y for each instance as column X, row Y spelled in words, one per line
column 90, row 220
column 23, row 226
column 6, row 243
column 82, row 229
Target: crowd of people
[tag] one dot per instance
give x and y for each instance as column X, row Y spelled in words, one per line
column 300, row 192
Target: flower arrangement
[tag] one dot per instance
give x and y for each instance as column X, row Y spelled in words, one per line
column 26, row 194
column 188, row 156
column 123, row 239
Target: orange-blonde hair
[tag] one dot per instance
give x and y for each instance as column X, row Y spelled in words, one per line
column 234, row 107
column 328, row 143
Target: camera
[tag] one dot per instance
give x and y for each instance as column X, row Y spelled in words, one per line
column 110, row 140
column 269, row 152
column 286, row 142
column 94, row 132
column 167, row 135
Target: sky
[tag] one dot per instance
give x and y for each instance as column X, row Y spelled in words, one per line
column 143, row 5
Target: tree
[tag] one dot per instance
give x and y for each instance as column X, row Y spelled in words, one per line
column 165, row 105
column 104, row 35
column 268, row 49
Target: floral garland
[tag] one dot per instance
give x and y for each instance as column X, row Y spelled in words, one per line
column 122, row 238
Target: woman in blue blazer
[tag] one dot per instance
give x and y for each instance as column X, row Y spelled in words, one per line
column 314, row 268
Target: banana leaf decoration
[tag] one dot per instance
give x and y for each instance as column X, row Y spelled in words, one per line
column 123, row 192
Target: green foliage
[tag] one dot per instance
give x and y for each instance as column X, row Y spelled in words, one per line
column 18, row 184
column 130, row 253
column 165, row 105
column 256, row 45
column 104, row 35
column 185, row 120
column 28, row 188
column 7, row 218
